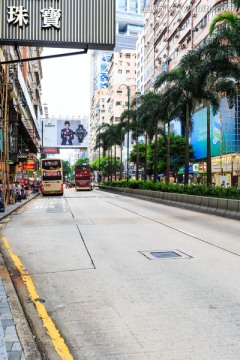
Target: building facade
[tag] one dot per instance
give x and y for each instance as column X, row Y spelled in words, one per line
column 171, row 29
column 20, row 114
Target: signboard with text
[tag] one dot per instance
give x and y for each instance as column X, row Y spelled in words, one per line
column 59, row 23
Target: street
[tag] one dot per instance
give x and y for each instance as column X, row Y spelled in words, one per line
column 127, row 279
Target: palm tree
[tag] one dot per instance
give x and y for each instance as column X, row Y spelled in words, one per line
column 229, row 31
column 214, row 75
column 181, row 93
column 151, row 117
column 131, row 122
column 114, row 136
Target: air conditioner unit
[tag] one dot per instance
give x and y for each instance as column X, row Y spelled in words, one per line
column 183, row 46
column 156, row 50
column 164, row 55
column 179, row 19
column 165, row 39
column 167, row 47
column 194, row 14
column 177, row 36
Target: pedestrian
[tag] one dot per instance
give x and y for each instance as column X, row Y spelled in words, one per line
column 27, row 191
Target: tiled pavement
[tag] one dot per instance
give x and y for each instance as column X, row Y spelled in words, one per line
column 10, row 345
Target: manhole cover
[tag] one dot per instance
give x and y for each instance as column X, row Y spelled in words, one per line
column 168, row 254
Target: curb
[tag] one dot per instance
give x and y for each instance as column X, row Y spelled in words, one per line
column 228, row 208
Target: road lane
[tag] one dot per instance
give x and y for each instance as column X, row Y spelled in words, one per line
column 110, row 301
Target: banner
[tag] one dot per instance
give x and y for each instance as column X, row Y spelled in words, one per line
column 65, row 133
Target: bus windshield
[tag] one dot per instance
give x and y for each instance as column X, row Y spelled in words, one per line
column 51, row 170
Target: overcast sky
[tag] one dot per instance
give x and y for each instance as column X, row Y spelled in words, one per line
column 66, row 84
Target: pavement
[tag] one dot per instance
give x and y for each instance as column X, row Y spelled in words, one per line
column 12, row 347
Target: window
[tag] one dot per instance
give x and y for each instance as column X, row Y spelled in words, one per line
column 120, row 71
column 118, row 103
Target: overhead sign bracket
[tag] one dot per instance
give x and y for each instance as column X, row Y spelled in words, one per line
column 84, row 51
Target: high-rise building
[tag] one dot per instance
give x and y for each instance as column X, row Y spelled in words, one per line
column 129, row 23
column 178, row 26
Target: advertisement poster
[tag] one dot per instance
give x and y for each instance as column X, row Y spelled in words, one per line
column 223, row 132
column 65, row 133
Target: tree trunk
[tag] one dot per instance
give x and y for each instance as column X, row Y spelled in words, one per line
column 168, row 154
column 187, row 145
column 137, row 160
column 145, row 163
column 115, row 163
column 209, row 159
column 121, row 164
column 108, row 164
column 155, row 165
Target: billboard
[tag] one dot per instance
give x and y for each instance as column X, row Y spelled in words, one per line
column 224, row 132
column 59, row 23
column 65, row 133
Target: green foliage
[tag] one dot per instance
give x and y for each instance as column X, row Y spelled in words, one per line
column 106, row 166
column 67, row 169
column 198, row 190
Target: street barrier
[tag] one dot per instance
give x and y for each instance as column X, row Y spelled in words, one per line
column 229, row 208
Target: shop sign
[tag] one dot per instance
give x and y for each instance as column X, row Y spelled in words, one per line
column 195, row 168
column 202, row 168
column 60, row 23
column 22, row 156
column 182, row 169
column 51, row 150
column 29, row 166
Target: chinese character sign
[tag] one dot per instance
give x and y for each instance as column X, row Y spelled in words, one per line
column 51, row 17
column 18, row 15
column 62, row 23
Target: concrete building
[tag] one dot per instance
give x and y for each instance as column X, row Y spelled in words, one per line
column 180, row 25
column 140, row 71
column 98, row 117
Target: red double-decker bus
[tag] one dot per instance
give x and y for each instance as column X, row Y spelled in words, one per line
column 83, row 178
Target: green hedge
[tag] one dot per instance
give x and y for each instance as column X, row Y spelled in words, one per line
column 200, row 190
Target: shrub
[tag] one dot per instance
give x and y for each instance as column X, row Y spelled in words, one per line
column 199, row 190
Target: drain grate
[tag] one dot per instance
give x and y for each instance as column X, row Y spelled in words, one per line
column 169, row 254
column 165, row 254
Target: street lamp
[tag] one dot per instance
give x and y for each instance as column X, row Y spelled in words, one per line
column 128, row 87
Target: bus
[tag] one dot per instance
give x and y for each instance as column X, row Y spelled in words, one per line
column 83, row 178
column 52, row 176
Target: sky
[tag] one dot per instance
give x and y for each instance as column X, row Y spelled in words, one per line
column 66, row 84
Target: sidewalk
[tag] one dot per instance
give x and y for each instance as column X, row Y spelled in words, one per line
column 11, row 347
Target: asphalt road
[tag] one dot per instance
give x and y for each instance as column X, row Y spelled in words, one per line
column 93, row 259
